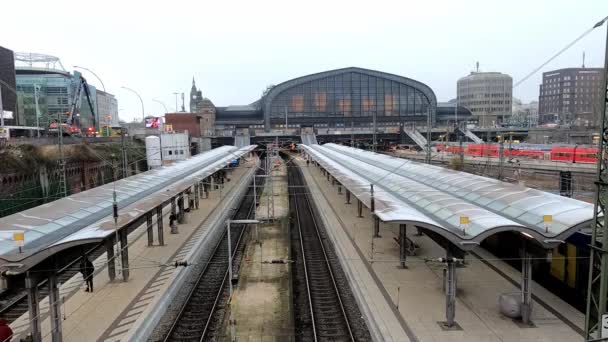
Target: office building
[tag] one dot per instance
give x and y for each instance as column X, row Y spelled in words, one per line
column 488, row 95
column 570, row 96
column 107, row 109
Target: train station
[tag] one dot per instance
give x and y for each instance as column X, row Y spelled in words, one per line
column 292, row 242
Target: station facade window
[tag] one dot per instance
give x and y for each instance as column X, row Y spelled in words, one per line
column 349, row 94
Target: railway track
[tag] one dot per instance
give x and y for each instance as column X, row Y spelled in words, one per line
column 324, row 307
column 195, row 321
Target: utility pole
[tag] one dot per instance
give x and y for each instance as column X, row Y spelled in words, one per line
column 428, row 135
column 176, row 101
column 501, row 157
column 36, row 90
column 1, row 109
column 125, row 164
column 286, row 120
column 352, row 133
column 61, row 157
column 374, row 134
column 597, row 292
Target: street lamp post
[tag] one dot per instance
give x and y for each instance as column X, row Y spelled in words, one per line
column 94, row 74
column 162, row 103
column 104, row 90
column 143, row 115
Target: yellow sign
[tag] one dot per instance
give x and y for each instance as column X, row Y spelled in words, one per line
column 547, row 218
column 19, row 238
column 464, row 220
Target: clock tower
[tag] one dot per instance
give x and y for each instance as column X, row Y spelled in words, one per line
column 194, row 97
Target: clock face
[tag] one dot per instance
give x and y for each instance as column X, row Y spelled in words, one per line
column 194, row 97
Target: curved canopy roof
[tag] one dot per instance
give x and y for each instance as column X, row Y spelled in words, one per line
column 86, row 217
column 439, row 198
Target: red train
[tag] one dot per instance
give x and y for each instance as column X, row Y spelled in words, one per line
column 572, row 154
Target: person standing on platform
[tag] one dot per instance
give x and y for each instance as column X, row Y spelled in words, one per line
column 173, row 223
column 87, row 269
column 5, row 331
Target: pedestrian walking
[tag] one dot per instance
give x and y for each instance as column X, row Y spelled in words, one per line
column 87, row 269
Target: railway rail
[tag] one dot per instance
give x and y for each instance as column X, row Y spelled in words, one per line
column 324, row 307
column 195, row 320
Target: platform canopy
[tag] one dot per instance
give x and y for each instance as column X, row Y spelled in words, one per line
column 463, row 208
column 86, row 217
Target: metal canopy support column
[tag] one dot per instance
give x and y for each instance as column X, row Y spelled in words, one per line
column 33, row 304
column 180, row 207
column 359, row 208
column 373, row 210
column 149, row 229
column 402, row 244
column 597, row 292
column 196, row 195
column 173, row 206
column 347, row 196
column 55, row 309
column 110, row 257
column 339, row 189
column 526, row 286
column 159, row 225
column 376, row 226
column 333, row 181
column 450, row 290
column 124, row 253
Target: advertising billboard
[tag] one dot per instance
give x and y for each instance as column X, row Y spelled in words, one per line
column 154, row 122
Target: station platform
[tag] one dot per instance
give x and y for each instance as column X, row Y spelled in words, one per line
column 115, row 308
column 262, row 304
column 413, row 301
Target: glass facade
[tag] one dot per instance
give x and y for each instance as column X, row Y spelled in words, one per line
column 7, row 76
column 55, row 95
column 350, row 94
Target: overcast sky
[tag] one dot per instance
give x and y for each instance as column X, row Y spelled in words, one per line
column 234, row 49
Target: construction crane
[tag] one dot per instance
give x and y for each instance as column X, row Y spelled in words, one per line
column 75, row 108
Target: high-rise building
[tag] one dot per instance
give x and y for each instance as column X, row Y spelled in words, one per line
column 107, row 109
column 524, row 114
column 488, row 95
column 7, row 86
column 47, row 92
column 570, row 96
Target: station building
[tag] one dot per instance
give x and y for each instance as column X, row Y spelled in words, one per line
column 348, row 98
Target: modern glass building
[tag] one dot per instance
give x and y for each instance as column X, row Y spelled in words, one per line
column 7, row 84
column 348, row 97
column 46, row 94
